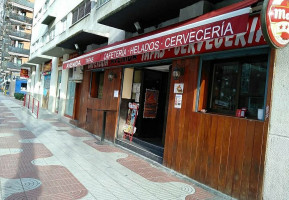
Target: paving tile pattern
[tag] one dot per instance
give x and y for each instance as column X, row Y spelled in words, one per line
column 48, row 159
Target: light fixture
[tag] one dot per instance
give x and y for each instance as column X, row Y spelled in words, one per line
column 178, row 72
column 111, row 76
column 138, row 27
column 76, row 46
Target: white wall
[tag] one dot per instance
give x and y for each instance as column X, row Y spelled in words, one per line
column 53, row 85
column 276, row 179
column 63, row 89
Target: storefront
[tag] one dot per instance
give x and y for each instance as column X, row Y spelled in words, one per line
column 206, row 103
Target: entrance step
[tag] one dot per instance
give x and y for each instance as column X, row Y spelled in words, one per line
column 145, row 149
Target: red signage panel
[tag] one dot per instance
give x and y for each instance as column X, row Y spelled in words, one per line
column 275, row 22
column 24, row 73
column 253, row 37
column 220, row 26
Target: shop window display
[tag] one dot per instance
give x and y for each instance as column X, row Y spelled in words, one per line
column 236, row 84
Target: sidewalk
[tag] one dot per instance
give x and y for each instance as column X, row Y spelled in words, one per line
column 49, row 159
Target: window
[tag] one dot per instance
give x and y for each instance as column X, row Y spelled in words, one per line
column 235, row 84
column 101, row 2
column 20, row 45
column 96, row 84
column 81, row 11
column 19, row 61
column 23, row 86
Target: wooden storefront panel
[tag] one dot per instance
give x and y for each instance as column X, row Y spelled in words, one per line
column 97, row 106
column 226, row 153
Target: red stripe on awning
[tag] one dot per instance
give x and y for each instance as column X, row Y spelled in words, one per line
column 230, row 20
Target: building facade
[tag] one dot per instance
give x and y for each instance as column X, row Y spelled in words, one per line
column 16, row 35
column 188, row 84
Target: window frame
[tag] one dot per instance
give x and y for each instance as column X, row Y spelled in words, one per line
column 97, row 96
column 233, row 55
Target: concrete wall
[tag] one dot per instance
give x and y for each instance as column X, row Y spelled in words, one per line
column 276, row 179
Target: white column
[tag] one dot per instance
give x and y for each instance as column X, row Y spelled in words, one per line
column 276, row 177
column 53, row 85
column 37, row 82
column 63, row 88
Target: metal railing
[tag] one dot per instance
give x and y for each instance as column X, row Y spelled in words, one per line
column 18, row 50
column 21, row 18
column 20, row 34
column 32, row 104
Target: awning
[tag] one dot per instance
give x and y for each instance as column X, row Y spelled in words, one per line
column 224, row 22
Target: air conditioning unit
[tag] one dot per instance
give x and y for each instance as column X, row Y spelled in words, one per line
column 77, row 75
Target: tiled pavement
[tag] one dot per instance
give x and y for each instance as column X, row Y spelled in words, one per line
column 48, row 159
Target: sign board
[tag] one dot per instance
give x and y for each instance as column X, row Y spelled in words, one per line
column 252, row 38
column 196, row 31
column 275, row 22
column 24, row 73
column 178, row 101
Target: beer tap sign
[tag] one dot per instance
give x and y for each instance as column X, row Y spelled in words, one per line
column 275, row 22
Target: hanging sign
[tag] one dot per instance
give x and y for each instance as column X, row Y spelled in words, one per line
column 275, row 22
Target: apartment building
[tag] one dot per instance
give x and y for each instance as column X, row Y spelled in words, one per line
column 16, row 35
column 188, row 84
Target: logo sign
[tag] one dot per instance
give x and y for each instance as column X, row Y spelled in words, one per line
column 275, row 22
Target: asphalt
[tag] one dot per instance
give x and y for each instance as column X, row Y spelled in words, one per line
column 47, row 158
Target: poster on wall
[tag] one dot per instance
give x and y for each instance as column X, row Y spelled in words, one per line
column 129, row 126
column 151, row 104
column 179, row 88
column 178, row 101
column 24, row 73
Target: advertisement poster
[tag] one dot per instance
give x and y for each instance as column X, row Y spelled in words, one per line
column 178, row 101
column 129, row 126
column 179, row 88
column 24, row 73
column 151, row 104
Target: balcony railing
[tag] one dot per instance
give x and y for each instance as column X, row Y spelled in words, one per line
column 23, row 3
column 20, row 18
column 19, row 50
column 20, row 34
column 11, row 65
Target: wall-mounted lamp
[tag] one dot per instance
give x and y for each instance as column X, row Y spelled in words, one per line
column 138, row 27
column 178, row 72
column 76, row 46
column 111, row 76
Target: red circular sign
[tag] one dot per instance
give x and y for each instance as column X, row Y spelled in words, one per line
column 275, row 22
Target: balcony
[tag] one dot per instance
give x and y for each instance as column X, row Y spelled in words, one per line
column 17, row 17
column 11, row 65
column 24, row 3
column 20, row 35
column 18, row 51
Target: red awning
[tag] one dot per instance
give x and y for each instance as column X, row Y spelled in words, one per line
column 224, row 22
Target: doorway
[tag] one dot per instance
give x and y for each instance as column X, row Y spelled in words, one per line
column 149, row 90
